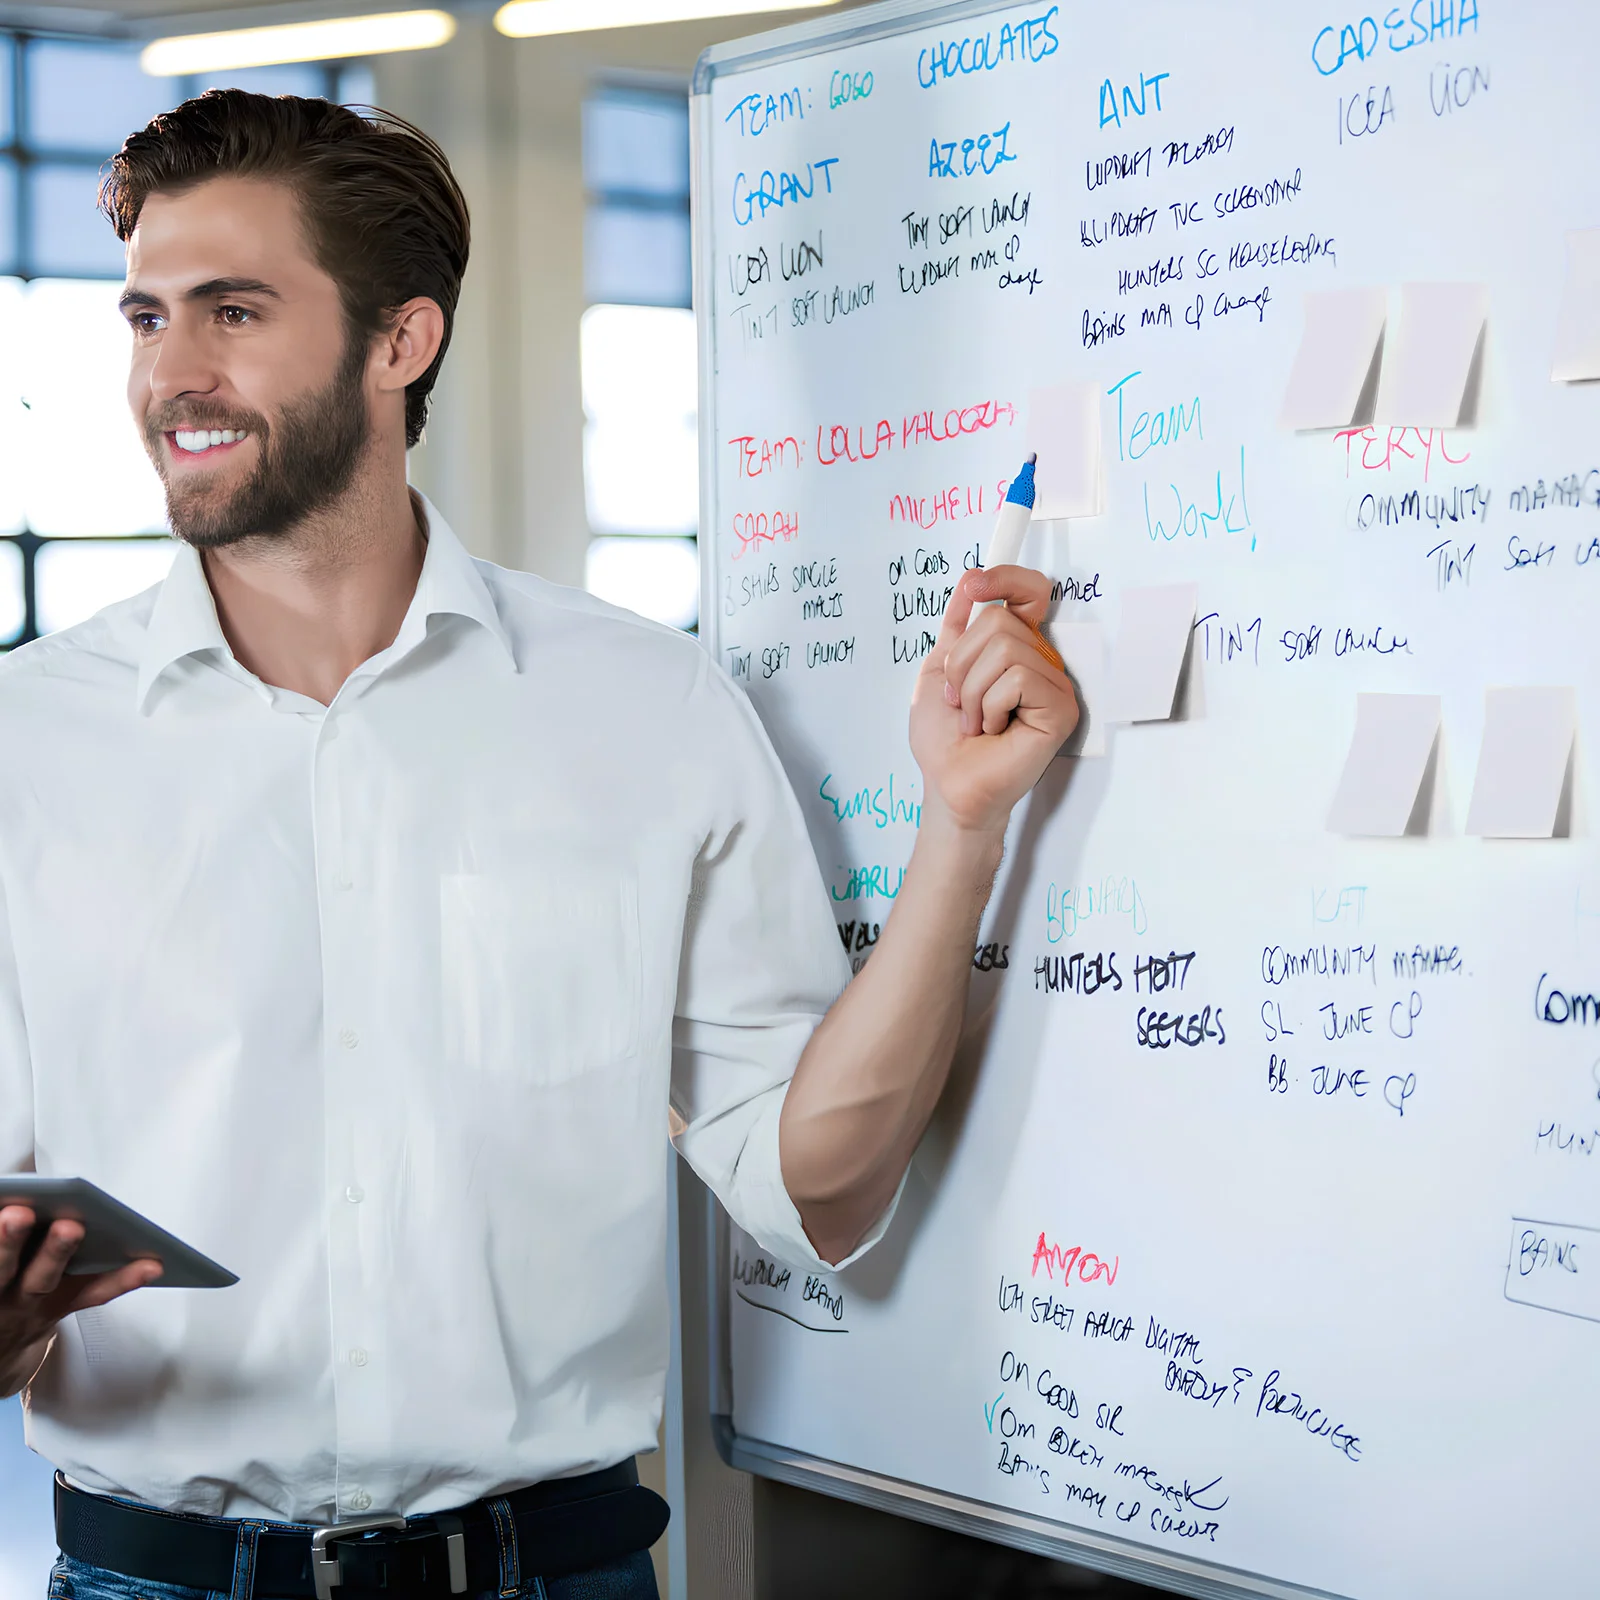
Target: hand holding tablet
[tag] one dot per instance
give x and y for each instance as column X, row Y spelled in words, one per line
column 66, row 1246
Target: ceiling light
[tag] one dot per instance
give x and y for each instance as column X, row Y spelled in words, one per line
column 335, row 39
column 522, row 19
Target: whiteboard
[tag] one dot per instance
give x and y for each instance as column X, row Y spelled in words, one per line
column 1307, row 1298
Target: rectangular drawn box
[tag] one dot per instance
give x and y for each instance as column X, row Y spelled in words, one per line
column 1555, row 1266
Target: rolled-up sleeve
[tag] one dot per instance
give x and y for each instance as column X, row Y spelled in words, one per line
column 762, row 962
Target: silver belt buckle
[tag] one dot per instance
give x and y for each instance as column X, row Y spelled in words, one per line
column 325, row 1572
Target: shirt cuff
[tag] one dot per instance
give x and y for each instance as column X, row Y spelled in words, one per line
column 762, row 1207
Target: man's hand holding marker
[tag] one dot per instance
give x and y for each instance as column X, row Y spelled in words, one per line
column 1010, row 529
column 993, row 703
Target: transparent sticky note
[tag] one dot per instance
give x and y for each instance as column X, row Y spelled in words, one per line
column 1522, row 763
column 1577, row 353
column 1083, row 648
column 1333, row 371
column 1063, row 428
column 1428, row 374
column 1389, row 751
column 1151, row 643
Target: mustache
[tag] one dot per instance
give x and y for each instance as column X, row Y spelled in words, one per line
column 174, row 415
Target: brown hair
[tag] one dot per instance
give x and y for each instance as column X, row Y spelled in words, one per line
column 386, row 219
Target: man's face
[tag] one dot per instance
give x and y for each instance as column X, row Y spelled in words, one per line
column 245, row 381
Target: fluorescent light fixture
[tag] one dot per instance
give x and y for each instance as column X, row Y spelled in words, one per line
column 334, row 39
column 523, row 19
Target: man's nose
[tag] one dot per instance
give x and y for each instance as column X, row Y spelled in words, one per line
column 182, row 366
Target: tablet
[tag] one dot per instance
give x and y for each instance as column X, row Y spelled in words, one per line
column 114, row 1234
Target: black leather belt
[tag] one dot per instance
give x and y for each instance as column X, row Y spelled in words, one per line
column 565, row 1525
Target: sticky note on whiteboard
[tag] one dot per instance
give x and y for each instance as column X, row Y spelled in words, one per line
column 1388, row 757
column 1522, row 764
column 1064, row 428
column 1083, row 648
column 1338, row 345
column 1151, row 643
column 1577, row 352
column 1425, row 378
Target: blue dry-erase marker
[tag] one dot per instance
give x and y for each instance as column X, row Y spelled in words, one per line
column 1011, row 526
column 1005, row 543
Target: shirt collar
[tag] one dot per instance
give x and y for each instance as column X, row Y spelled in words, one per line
column 451, row 585
column 183, row 621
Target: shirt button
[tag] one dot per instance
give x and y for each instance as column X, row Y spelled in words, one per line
column 359, row 1500
column 358, row 1358
column 348, row 1038
column 355, row 1194
column 344, row 881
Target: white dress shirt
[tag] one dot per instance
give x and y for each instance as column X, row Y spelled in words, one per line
column 381, row 1005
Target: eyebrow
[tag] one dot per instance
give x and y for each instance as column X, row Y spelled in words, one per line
column 211, row 289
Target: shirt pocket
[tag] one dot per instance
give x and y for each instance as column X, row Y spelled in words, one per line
column 540, row 969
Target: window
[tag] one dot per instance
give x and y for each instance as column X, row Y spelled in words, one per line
column 81, row 511
column 640, row 457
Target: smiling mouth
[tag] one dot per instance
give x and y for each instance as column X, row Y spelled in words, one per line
column 192, row 444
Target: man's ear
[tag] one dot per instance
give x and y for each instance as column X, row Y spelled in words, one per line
column 406, row 347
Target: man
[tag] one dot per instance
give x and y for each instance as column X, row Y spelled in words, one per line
column 367, row 909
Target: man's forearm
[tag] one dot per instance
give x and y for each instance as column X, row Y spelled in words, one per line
column 874, row 1069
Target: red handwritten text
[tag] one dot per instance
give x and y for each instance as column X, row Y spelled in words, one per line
column 757, row 456
column 1379, row 451
column 1086, row 1264
column 956, row 422
column 752, row 529
column 948, row 505
column 840, row 443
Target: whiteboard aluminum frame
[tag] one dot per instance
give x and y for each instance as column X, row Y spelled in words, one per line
column 1124, row 1558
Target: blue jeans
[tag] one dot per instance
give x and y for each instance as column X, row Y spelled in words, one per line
column 630, row 1579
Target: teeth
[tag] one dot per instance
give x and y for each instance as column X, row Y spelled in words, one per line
column 194, row 440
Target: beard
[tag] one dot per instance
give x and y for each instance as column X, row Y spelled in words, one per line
column 306, row 459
